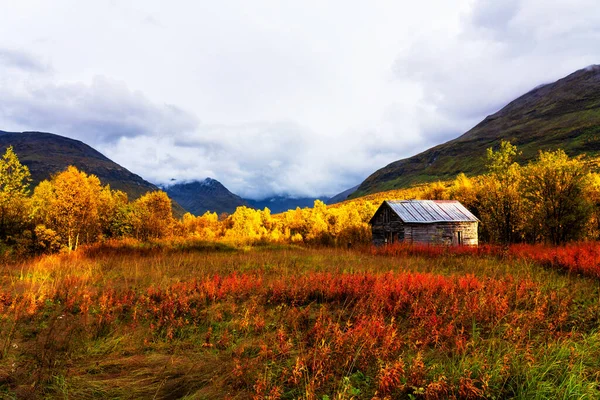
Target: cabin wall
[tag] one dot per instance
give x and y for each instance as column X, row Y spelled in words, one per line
column 443, row 233
column 386, row 224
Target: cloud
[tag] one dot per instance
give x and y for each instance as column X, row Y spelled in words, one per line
column 21, row 60
column 254, row 160
column 161, row 142
column 500, row 50
column 270, row 99
column 99, row 113
column 494, row 17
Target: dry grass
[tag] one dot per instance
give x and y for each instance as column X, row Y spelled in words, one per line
column 203, row 322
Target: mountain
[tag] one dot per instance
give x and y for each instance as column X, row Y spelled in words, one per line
column 564, row 114
column 338, row 198
column 46, row 154
column 279, row 204
column 198, row 197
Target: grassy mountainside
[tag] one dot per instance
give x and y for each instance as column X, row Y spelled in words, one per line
column 342, row 196
column 564, row 114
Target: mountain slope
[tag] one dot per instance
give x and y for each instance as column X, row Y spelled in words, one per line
column 46, row 154
column 207, row 195
column 564, row 114
column 338, row 198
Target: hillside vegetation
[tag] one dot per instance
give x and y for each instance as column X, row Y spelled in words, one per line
column 555, row 199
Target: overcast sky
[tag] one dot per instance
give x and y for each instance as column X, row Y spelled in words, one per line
column 302, row 98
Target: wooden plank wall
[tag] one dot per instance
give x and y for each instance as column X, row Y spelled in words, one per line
column 386, row 222
column 445, row 233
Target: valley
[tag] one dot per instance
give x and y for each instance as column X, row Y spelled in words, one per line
column 112, row 287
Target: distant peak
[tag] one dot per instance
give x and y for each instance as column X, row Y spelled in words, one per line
column 209, row 181
column 593, row 67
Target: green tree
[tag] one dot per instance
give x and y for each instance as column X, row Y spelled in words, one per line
column 499, row 195
column 555, row 186
column 14, row 192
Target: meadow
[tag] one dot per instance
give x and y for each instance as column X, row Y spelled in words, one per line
column 197, row 320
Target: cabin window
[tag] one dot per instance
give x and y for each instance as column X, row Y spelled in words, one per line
column 459, row 238
column 386, row 215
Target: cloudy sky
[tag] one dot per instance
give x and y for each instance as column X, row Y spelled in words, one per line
column 278, row 97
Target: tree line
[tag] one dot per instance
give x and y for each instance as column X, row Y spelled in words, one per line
column 74, row 208
column 553, row 199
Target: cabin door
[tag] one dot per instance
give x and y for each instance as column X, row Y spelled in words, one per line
column 458, row 238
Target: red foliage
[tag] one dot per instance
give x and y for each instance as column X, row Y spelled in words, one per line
column 326, row 325
column 580, row 258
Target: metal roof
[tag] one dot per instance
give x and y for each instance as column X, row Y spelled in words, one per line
column 428, row 211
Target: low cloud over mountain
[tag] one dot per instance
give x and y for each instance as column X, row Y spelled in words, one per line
column 247, row 95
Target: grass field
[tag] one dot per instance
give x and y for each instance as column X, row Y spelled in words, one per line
column 127, row 320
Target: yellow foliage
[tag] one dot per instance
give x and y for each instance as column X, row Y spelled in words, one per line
column 510, row 200
column 68, row 204
column 153, row 216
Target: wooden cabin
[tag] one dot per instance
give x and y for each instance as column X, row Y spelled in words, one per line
column 443, row 222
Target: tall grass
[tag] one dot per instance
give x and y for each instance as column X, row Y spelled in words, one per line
column 125, row 320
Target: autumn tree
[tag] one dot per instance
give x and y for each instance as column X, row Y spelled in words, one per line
column 436, row 191
column 464, row 189
column 246, row 225
column 365, row 210
column 555, row 186
column 41, row 203
column 319, row 222
column 114, row 213
column 152, row 216
column 593, row 195
column 296, row 225
column 349, row 227
column 14, row 191
column 499, row 195
column 206, row 226
column 68, row 204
